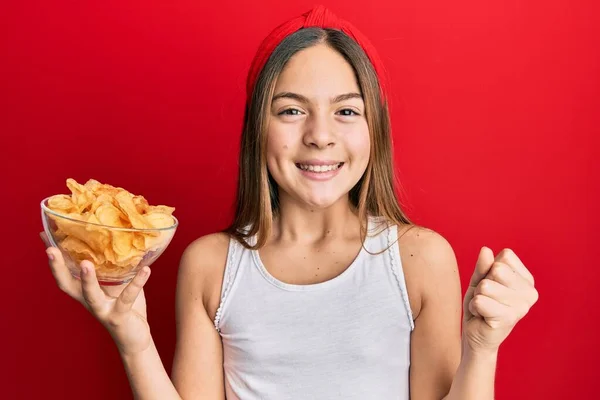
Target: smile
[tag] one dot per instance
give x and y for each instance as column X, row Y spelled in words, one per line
column 319, row 168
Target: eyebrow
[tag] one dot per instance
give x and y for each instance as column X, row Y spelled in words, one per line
column 303, row 99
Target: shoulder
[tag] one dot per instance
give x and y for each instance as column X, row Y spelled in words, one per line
column 429, row 264
column 425, row 246
column 205, row 249
column 201, row 270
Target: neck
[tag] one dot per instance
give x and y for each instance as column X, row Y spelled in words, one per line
column 306, row 224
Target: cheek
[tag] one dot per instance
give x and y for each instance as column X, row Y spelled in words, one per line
column 280, row 138
column 278, row 148
column 359, row 145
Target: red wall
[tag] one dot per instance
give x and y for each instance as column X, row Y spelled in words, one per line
column 494, row 111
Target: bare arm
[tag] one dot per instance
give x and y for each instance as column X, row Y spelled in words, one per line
column 197, row 365
column 435, row 295
column 198, row 361
column 147, row 376
column 474, row 379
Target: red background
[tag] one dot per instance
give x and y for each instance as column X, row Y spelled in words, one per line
column 495, row 105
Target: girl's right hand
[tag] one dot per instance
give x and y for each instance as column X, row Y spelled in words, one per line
column 120, row 309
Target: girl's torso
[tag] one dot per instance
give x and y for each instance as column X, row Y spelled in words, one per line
column 315, row 324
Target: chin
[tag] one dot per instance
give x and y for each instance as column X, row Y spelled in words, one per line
column 320, row 202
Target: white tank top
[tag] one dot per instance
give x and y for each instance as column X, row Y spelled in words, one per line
column 346, row 338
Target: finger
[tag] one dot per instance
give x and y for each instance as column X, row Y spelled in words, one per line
column 44, row 238
column 497, row 291
column 65, row 281
column 92, row 293
column 484, row 263
column 132, row 290
column 467, row 315
column 507, row 276
column 487, row 307
column 509, row 257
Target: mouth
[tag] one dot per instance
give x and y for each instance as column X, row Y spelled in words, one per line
column 319, row 168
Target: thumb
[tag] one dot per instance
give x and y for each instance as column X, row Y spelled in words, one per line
column 483, row 266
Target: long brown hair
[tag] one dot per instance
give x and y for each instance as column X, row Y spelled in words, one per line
column 257, row 200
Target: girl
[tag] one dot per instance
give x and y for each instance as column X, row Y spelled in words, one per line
column 321, row 288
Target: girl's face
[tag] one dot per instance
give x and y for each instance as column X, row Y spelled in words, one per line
column 317, row 139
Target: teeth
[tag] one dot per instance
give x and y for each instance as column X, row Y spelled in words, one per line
column 319, row 168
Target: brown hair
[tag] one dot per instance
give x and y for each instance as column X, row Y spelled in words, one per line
column 257, row 193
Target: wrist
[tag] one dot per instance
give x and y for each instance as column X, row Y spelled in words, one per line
column 136, row 352
column 480, row 355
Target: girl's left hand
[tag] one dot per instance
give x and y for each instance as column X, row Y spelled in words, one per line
column 501, row 292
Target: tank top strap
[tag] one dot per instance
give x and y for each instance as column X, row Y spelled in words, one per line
column 395, row 263
column 234, row 254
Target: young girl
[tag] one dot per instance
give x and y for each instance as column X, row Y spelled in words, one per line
column 321, row 288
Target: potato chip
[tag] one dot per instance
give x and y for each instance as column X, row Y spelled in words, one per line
column 100, row 200
column 93, row 210
column 125, row 203
column 159, row 219
column 108, row 214
column 81, row 250
column 99, row 188
column 139, row 241
column 141, row 204
column 62, row 203
column 81, row 196
column 95, row 237
column 161, row 209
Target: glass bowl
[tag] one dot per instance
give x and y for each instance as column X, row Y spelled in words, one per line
column 117, row 253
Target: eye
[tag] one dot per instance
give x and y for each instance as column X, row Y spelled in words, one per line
column 347, row 112
column 290, row 111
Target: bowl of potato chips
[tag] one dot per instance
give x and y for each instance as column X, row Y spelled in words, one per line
column 117, row 231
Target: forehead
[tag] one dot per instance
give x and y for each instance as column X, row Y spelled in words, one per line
column 317, row 71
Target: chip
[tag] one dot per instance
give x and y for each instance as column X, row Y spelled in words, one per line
column 108, row 212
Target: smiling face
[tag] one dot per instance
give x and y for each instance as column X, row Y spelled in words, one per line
column 318, row 141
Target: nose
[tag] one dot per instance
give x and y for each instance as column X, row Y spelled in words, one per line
column 319, row 133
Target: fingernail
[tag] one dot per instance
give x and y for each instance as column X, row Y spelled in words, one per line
column 50, row 256
column 84, row 270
